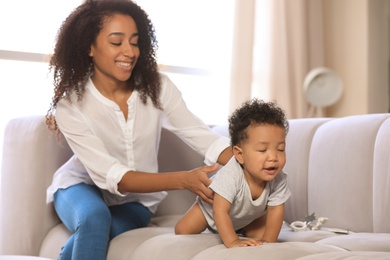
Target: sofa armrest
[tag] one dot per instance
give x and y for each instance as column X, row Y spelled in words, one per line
column 31, row 154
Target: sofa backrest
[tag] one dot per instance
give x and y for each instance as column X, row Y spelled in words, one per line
column 338, row 168
column 381, row 179
column 30, row 157
column 298, row 144
column 176, row 155
column 343, row 172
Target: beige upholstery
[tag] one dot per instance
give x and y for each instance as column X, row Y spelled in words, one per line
column 338, row 168
column 381, row 180
column 348, row 144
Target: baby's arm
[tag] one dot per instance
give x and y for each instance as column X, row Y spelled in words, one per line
column 193, row 222
column 221, row 209
column 274, row 223
column 268, row 231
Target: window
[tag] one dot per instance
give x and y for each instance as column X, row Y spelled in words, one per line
column 26, row 85
column 195, row 42
column 31, row 26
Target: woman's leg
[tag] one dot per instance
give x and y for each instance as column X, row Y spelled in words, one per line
column 83, row 211
column 128, row 216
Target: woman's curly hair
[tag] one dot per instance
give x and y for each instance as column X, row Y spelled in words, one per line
column 72, row 64
column 251, row 113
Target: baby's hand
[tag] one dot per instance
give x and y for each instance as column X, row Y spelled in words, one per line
column 245, row 242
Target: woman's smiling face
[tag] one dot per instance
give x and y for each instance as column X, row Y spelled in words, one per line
column 116, row 50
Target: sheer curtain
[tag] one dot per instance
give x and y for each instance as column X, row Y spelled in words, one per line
column 296, row 47
column 277, row 44
column 242, row 52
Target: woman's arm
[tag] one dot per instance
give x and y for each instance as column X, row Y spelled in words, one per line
column 225, row 156
column 195, row 180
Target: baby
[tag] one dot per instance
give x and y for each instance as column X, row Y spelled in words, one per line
column 251, row 189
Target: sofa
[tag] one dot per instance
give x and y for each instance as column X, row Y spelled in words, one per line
column 338, row 168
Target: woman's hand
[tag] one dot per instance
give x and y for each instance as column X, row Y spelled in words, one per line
column 197, row 181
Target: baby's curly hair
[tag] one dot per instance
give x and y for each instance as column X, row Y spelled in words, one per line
column 255, row 112
column 72, row 64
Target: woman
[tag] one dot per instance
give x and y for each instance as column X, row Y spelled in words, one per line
column 110, row 103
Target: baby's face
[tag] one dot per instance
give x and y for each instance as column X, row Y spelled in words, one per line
column 263, row 153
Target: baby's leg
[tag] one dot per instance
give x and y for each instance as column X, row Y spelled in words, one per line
column 256, row 228
column 193, row 222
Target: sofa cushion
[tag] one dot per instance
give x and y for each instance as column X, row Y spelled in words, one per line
column 54, row 240
column 360, row 242
column 123, row 246
column 274, row 251
column 287, row 235
column 171, row 246
column 165, row 221
column 357, row 255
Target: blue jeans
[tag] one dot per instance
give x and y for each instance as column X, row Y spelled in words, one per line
column 83, row 211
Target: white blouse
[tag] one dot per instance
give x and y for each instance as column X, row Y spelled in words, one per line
column 106, row 146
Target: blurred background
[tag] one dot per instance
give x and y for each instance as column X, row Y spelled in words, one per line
column 221, row 53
